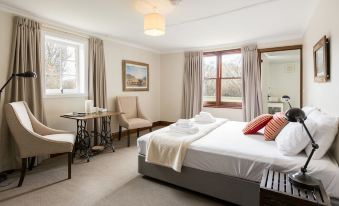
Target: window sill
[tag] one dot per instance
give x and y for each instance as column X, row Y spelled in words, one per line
column 222, row 106
column 61, row 96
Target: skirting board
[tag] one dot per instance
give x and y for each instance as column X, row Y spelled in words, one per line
column 230, row 189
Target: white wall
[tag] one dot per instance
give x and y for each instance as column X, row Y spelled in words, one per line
column 114, row 54
column 149, row 100
column 323, row 22
column 172, row 75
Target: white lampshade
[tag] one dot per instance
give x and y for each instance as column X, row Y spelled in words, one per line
column 154, row 24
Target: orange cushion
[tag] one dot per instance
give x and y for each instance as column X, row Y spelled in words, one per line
column 257, row 123
column 274, row 126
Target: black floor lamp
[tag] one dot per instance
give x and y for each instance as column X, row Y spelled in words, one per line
column 3, row 176
column 301, row 178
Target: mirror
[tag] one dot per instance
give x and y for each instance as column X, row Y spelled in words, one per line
column 280, row 75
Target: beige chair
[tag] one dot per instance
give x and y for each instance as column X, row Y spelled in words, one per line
column 132, row 116
column 33, row 138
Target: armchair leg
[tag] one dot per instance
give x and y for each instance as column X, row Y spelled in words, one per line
column 73, row 154
column 70, row 158
column 128, row 138
column 23, row 171
column 138, row 134
column 31, row 163
column 120, row 132
column 150, row 129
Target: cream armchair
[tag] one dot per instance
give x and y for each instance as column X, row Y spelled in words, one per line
column 132, row 116
column 33, row 138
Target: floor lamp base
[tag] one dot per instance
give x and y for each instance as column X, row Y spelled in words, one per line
column 303, row 180
column 3, row 177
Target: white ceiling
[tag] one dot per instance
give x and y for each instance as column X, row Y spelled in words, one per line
column 191, row 24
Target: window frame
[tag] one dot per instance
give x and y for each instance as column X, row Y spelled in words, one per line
column 81, row 76
column 218, row 103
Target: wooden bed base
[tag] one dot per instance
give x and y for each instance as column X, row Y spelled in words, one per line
column 231, row 189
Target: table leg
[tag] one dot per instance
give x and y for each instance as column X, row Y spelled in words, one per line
column 106, row 133
column 83, row 139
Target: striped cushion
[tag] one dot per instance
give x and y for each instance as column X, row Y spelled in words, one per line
column 274, row 126
column 257, row 123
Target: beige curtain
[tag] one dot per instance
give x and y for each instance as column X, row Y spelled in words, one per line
column 251, row 83
column 25, row 56
column 97, row 75
column 192, row 95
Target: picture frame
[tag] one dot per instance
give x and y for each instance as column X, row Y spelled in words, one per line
column 135, row 76
column 321, row 60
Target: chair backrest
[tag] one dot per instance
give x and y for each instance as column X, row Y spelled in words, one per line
column 128, row 105
column 21, row 113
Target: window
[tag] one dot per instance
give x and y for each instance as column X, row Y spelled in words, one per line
column 222, row 79
column 64, row 65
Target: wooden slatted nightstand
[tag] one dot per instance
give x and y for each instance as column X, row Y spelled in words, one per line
column 276, row 190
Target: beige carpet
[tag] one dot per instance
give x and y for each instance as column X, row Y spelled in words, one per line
column 108, row 179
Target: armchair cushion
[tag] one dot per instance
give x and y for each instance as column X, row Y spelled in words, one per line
column 135, row 123
column 67, row 138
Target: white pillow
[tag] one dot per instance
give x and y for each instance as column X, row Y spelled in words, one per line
column 325, row 133
column 309, row 109
column 293, row 137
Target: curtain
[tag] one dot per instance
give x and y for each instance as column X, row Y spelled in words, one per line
column 251, row 83
column 193, row 80
column 97, row 75
column 25, row 56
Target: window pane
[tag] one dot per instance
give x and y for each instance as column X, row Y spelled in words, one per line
column 209, row 67
column 52, row 81
column 69, row 68
column 231, row 90
column 231, row 65
column 52, row 58
column 69, row 82
column 209, row 90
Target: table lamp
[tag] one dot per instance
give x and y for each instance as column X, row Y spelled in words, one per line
column 3, row 176
column 301, row 178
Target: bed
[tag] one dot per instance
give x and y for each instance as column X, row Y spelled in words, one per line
column 228, row 165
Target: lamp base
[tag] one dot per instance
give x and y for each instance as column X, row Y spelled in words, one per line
column 303, row 180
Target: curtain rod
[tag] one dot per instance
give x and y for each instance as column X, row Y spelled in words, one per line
column 65, row 30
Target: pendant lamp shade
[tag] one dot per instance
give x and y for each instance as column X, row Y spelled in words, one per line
column 154, row 24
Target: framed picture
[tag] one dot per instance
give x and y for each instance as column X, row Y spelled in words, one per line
column 135, row 76
column 321, row 60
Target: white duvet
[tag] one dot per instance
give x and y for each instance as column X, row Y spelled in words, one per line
column 227, row 151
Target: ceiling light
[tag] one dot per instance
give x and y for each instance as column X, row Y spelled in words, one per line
column 154, row 24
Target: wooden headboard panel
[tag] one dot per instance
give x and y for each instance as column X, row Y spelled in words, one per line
column 335, row 148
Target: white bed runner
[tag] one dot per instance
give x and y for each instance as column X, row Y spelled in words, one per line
column 169, row 149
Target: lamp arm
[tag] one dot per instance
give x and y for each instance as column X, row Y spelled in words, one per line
column 314, row 147
column 289, row 104
column 3, row 87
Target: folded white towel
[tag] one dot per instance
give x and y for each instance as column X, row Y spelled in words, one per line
column 204, row 117
column 184, row 123
column 179, row 129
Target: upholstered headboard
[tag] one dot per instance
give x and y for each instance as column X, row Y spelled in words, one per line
column 335, row 148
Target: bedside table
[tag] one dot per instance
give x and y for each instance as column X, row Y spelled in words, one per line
column 276, row 190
